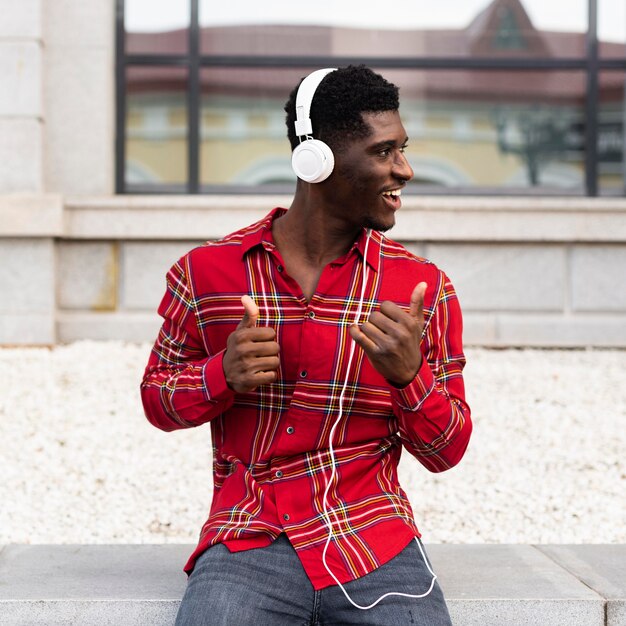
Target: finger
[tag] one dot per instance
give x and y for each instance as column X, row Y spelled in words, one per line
column 388, row 317
column 265, row 364
column 377, row 333
column 258, row 334
column 263, row 378
column 361, row 339
column 416, row 308
column 251, row 312
column 260, row 349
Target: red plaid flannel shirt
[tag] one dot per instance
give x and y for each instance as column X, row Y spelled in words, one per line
column 271, row 455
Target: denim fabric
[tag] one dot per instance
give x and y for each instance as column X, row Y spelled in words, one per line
column 268, row 587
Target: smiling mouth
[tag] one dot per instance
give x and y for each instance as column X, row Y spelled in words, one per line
column 393, row 196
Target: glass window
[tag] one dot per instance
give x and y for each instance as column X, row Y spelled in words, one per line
column 354, row 13
column 156, row 26
column 455, row 28
column 467, row 128
column 243, row 133
column 156, row 128
column 612, row 28
column 611, row 129
column 494, row 129
column 554, row 16
column 517, row 123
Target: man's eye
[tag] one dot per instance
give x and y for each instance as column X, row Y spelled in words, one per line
column 385, row 152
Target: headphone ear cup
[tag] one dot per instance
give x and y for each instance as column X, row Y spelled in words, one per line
column 313, row 161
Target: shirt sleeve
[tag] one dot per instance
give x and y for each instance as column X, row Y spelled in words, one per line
column 433, row 417
column 183, row 385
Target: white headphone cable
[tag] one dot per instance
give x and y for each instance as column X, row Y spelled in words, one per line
column 325, row 512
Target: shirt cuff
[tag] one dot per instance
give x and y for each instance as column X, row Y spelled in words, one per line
column 412, row 396
column 215, row 385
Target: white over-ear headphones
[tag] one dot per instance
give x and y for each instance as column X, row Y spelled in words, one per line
column 312, row 160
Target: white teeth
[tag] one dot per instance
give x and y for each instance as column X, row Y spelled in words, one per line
column 394, row 192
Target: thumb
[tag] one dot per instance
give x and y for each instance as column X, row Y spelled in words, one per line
column 416, row 308
column 251, row 313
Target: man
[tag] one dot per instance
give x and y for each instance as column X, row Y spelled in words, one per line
column 316, row 348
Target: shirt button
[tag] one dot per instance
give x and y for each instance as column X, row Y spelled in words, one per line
column 290, row 430
column 286, row 517
column 278, row 474
column 303, row 374
column 311, row 314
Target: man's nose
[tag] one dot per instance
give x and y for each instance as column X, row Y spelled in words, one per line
column 402, row 169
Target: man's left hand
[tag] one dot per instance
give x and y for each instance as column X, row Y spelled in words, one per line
column 391, row 338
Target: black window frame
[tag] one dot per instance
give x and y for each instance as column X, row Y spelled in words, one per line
column 591, row 64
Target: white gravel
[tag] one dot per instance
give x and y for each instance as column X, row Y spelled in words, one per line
column 80, row 464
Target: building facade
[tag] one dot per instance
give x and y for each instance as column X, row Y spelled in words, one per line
column 120, row 151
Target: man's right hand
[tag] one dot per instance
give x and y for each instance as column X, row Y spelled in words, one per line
column 251, row 358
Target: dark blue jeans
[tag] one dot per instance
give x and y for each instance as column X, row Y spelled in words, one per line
column 268, row 587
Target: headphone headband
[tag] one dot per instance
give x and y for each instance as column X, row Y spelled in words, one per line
column 304, row 98
column 312, row 160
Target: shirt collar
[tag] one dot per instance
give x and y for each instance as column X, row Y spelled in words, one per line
column 261, row 232
column 262, row 235
column 358, row 247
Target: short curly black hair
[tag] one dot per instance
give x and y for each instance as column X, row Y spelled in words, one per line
column 339, row 100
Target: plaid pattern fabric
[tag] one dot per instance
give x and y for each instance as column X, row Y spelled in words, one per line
column 271, row 459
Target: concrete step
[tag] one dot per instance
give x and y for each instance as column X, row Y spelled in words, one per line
column 486, row 585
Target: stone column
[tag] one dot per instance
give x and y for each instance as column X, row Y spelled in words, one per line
column 28, row 218
column 21, row 107
column 79, row 92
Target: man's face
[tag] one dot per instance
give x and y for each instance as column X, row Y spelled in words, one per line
column 364, row 188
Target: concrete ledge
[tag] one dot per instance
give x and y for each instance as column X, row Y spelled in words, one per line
column 600, row 567
column 486, row 585
column 91, row 585
column 512, row 585
column 31, row 215
column 423, row 218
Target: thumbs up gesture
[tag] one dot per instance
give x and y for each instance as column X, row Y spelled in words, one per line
column 390, row 338
column 251, row 358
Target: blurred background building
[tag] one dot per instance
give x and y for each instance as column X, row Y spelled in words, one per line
column 132, row 130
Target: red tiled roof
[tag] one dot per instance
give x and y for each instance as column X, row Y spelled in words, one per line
column 476, row 40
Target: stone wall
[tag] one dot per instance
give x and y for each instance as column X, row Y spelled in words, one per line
column 529, row 272
column 57, row 101
column 21, row 100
